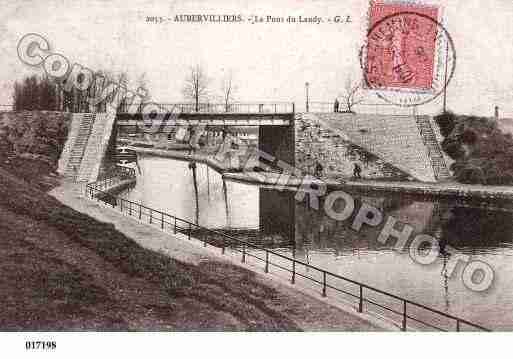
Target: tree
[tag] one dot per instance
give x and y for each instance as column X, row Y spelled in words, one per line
column 48, row 95
column 143, row 91
column 122, row 104
column 352, row 94
column 30, row 93
column 35, row 94
column 446, row 122
column 102, row 91
column 100, row 81
column 228, row 89
column 18, row 96
column 196, row 86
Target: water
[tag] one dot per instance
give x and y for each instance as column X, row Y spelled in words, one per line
column 276, row 220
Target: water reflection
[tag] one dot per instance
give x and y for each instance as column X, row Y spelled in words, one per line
column 274, row 219
column 477, row 230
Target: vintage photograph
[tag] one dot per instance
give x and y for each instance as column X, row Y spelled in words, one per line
column 244, row 166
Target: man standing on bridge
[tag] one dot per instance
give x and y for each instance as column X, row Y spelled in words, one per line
column 336, row 105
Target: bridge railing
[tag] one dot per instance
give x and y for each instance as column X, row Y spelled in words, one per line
column 242, row 108
column 405, row 311
column 362, row 108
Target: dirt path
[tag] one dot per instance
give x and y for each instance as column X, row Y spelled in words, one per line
column 258, row 291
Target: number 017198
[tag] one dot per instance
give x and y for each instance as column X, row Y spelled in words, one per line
column 40, row 345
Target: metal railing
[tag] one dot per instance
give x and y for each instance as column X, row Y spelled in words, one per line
column 242, row 108
column 115, row 176
column 362, row 108
column 363, row 293
column 318, row 106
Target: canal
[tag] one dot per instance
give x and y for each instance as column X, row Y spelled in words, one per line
column 274, row 219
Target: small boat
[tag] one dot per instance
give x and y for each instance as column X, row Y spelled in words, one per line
column 125, row 155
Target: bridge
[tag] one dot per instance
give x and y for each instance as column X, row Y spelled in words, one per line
column 394, row 146
column 275, row 122
column 237, row 114
column 391, row 141
column 165, row 122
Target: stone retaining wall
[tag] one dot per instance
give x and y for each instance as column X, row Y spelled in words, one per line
column 316, row 143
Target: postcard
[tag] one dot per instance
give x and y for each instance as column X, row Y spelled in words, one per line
column 241, row 166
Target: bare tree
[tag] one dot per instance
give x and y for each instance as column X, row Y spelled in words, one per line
column 100, row 93
column 196, row 85
column 353, row 94
column 143, row 91
column 123, row 81
column 229, row 89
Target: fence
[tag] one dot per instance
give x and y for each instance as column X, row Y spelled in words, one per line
column 258, row 107
column 364, row 295
column 115, row 176
column 362, row 108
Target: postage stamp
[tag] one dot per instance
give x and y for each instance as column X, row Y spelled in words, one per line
column 409, row 57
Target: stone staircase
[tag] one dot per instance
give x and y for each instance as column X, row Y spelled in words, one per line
column 408, row 142
column 435, row 152
column 75, row 147
column 88, row 138
column 73, row 129
column 96, row 147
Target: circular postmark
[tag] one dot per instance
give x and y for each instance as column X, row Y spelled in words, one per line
column 409, row 58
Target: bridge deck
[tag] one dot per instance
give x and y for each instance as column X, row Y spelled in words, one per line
column 210, row 119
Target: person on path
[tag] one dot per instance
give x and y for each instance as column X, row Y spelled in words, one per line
column 357, row 171
column 318, row 170
column 75, row 173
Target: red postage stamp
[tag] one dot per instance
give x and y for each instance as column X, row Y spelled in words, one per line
column 401, row 46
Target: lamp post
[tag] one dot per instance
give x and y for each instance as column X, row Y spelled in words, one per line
column 307, row 99
column 445, row 79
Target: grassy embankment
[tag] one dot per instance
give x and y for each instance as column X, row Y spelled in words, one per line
column 64, row 270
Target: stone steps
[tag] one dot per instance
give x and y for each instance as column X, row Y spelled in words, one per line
column 86, row 145
column 68, row 149
column 78, row 140
column 96, row 147
column 434, row 149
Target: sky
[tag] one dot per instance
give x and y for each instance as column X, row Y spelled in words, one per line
column 269, row 61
